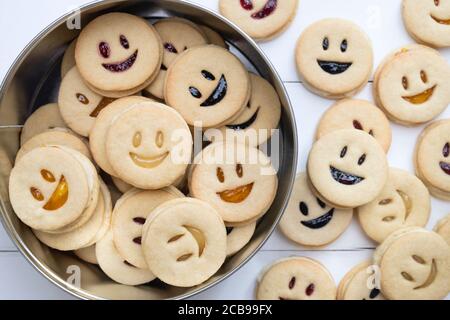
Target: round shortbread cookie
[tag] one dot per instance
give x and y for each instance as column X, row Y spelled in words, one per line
column 118, row 52
column 309, row 221
column 87, row 254
column 348, row 168
column 428, row 21
column 49, row 188
column 443, row 229
column 237, row 180
column 68, row 61
column 130, row 215
column 403, row 202
column 122, row 186
column 296, row 278
column 239, row 237
column 177, row 35
column 359, row 115
column 260, row 19
column 43, row 119
column 185, row 242
column 149, row 145
column 334, row 58
column 213, row 37
column 205, row 91
column 115, row 267
column 258, row 121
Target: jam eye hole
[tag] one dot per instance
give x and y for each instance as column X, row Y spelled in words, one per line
column 344, row 151
column 137, row 140
column 304, row 208
column 220, row 175
column 104, row 49
column 321, row 203
column 446, row 150
column 124, row 42
column 239, row 170
column 344, row 45
column 37, row 194
column 325, row 44
column 160, row 139
column 405, row 83
column 436, row 3
column 82, row 98
column 292, row 283
column 48, row 176
column 423, row 76
column 208, row 75
column 362, row 159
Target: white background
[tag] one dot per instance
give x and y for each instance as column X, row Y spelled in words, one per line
column 21, row 20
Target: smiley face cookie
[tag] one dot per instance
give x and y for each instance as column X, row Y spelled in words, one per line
column 347, row 168
column 411, row 86
column 79, row 105
column 260, row 19
column 149, row 145
column 205, row 91
column 403, row 202
column 118, row 54
column 130, row 215
column 334, row 58
column 296, row 278
column 43, row 119
column 443, row 229
column 356, row 284
column 259, row 119
column 428, row 21
column 309, row 221
column 185, row 242
column 359, row 115
column 431, row 158
column 237, row 180
column 414, row 265
column 177, row 36
column 50, row 188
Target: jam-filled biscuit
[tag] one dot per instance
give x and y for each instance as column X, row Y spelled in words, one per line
column 334, row 58
column 411, row 86
column 43, row 119
column 431, row 158
column 149, row 145
column 79, row 105
column 260, row 19
column 206, row 91
column 403, row 202
column 68, row 61
column 259, row 119
column 130, row 214
column 359, row 115
column 428, row 21
column 177, row 36
column 356, row 284
column 296, row 278
column 49, row 188
column 414, row 265
column 443, row 228
column 347, row 168
column 237, row 180
column 185, row 242
column 118, row 54
column 311, row 222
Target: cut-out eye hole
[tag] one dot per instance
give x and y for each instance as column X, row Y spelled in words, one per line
column 357, row 125
column 129, row 264
column 195, row 92
column 325, row 44
column 407, row 276
column 405, row 83
column 229, row 230
column 48, row 176
column 292, row 283
column 362, row 159
column 344, row 45
column 446, row 150
column 344, row 151
column 138, row 240
column 104, row 50
column 418, row 259
column 137, row 140
column 436, row 3
column 160, row 139
column 304, row 208
column 176, row 238
column 124, row 42
column 310, row 289
column 423, row 76
column 140, row 220
column 239, row 170
column 82, row 98
column 170, row 47
column 208, row 75
column 388, row 219
column 321, row 203
column 37, row 194
column 371, row 133
column 385, row 202
column 185, row 257
column 220, row 175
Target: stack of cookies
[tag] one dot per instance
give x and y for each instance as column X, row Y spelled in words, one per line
column 130, row 97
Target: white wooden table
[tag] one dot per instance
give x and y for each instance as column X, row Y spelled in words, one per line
column 21, row 20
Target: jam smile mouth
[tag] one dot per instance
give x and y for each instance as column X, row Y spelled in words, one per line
column 445, row 167
column 237, row 195
column 246, row 124
column 333, row 67
column 218, row 94
column 101, row 105
column 441, row 21
column 319, row 222
column 344, row 178
column 421, row 97
column 431, row 277
column 148, row 162
column 59, row 196
column 122, row 66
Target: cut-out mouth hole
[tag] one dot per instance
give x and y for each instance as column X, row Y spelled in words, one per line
column 122, row 66
column 421, row 97
column 148, row 162
column 333, row 67
column 218, row 94
column 319, row 222
column 344, row 178
column 441, row 21
column 245, row 125
column 431, row 277
column 237, row 195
